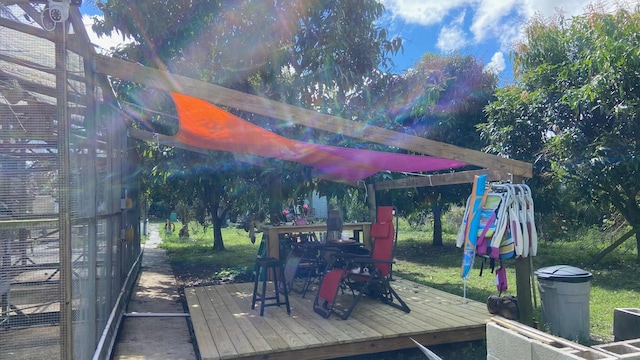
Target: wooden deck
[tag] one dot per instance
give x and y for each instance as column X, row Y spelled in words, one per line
column 227, row 328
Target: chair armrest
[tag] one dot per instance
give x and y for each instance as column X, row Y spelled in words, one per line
column 371, row 261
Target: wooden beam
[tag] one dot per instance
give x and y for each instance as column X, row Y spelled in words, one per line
column 35, row 67
column 328, row 177
column 18, row 2
column 458, row 177
column 38, row 88
column 164, row 140
column 461, row 177
column 41, row 223
column 27, row 29
column 222, row 96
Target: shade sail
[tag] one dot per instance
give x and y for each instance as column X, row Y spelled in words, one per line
column 207, row 126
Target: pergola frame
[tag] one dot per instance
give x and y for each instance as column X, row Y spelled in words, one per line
column 497, row 168
column 218, row 95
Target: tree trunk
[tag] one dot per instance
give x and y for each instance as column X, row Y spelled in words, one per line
column 437, row 225
column 218, row 244
column 638, row 244
column 275, row 200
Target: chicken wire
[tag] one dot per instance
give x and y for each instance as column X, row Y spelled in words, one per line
column 68, row 246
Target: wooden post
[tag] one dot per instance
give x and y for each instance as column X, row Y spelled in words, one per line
column 371, row 201
column 64, row 184
column 523, row 282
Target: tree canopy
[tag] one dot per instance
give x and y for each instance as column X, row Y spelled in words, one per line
column 575, row 108
column 442, row 98
column 248, row 45
column 306, row 53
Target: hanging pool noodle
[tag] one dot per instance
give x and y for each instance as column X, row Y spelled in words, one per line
column 473, row 221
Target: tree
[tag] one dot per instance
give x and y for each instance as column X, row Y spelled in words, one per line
column 576, row 106
column 286, row 51
column 306, row 53
column 442, row 99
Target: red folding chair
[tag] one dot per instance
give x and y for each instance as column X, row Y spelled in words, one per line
column 368, row 276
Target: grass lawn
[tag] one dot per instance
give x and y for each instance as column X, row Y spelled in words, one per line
column 614, row 285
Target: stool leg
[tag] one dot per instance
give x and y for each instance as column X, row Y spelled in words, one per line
column 276, row 284
column 264, row 292
column 286, row 292
column 255, row 288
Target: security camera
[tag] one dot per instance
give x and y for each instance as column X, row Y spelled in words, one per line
column 59, row 10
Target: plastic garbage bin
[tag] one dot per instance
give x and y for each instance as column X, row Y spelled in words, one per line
column 564, row 293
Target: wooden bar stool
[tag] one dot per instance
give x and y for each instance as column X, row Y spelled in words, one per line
column 263, row 265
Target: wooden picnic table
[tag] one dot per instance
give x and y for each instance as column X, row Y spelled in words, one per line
column 362, row 231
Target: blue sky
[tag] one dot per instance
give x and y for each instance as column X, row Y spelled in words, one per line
column 483, row 28
column 486, row 29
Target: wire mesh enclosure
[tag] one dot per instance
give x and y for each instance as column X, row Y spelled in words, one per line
column 69, row 239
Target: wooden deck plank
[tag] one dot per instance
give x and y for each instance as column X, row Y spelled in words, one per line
column 439, row 306
column 301, row 309
column 312, row 325
column 252, row 335
column 397, row 320
column 411, row 322
column 436, row 317
column 358, row 329
column 269, row 335
column 275, row 317
column 210, row 308
column 205, row 341
column 451, row 316
column 331, row 331
column 428, row 316
column 238, row 338
column 403, row 322
column 324, row 331
column 336, row 331
column 289, row 335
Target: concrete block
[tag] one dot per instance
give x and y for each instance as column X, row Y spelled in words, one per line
column 627, row 350
column 626, row 324
column 505, row 344
column 542, row 351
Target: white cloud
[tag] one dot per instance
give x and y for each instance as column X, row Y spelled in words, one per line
column 423, row 12
column 501, row 21
column 452, row 37
column 497, row 63
column 105, row 43
column 492, row 18
column 567, row 7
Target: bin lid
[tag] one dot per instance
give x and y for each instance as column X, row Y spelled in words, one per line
column 564, row 273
